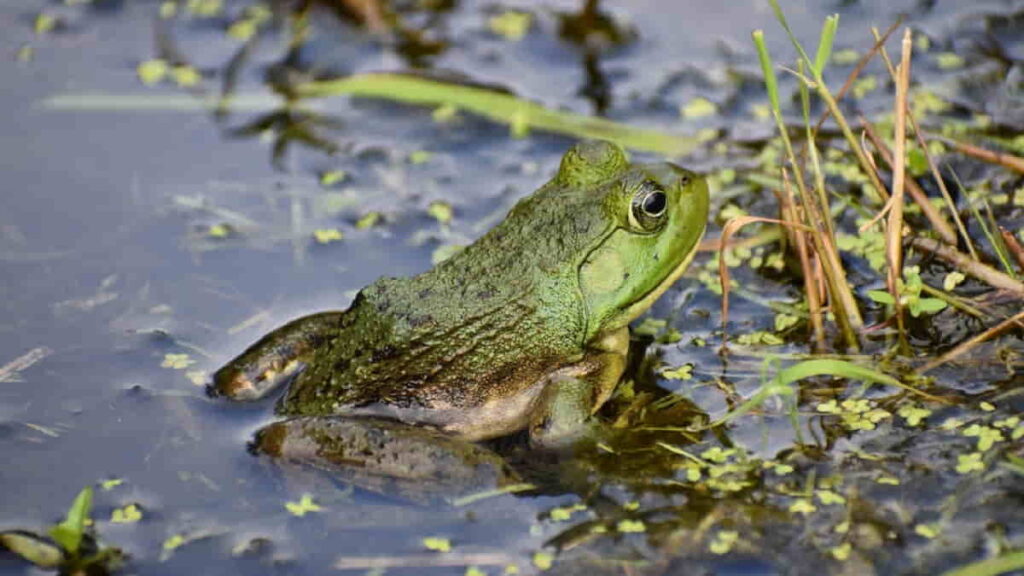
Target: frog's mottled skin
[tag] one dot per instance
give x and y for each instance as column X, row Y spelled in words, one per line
column 527, row 327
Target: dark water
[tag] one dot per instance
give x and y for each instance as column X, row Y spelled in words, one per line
column 107, row 266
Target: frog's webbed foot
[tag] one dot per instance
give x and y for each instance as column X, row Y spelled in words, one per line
column 274, row 359
column 386, row 456
column 566, row 415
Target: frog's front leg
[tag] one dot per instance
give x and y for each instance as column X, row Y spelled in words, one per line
column 386, row 456
column 565, row 412
column 274, row 358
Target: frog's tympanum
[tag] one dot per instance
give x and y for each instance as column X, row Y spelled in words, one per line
column 527, row 328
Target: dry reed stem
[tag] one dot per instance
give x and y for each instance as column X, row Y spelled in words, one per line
column 968, row 345
column 841, row 298
column 767, row 236
column 945, row 231
column 730, row 228
column 812, row 280
column 931, row 161
column 894, row 223
column 1015, row 163
column 966, row 264
column 1013, row 246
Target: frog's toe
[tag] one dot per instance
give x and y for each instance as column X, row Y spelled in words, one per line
column 546, row 435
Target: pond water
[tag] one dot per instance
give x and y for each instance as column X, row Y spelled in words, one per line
column 144, row 241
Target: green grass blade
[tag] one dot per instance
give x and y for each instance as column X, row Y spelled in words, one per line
column 69, row 532
column 994, row 240
column 781, row 17
column 828, row 36
column 782, row 383
column 991, row 567
column 507, row 109
column 512, row 489
column 771, row 82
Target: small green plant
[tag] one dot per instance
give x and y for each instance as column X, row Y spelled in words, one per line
column 71, row 547
column 909, row 289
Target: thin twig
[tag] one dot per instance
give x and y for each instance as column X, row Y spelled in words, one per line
column 1013, row 246
column 972, row 343
column 787, row 205
column 1015, row 163
column 966, row 264
column 10, row 371
column 730, row 228
column 879, row 42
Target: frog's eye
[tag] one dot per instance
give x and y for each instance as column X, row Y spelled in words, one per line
column 648, row 209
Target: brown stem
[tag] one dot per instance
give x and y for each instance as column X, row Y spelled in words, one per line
column 1013, row 246
column 965, row 263
column 879, row 42
column 945, row 231
column 1015, row 163
column 972, row 343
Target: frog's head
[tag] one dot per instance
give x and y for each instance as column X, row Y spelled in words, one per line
column 653, row 216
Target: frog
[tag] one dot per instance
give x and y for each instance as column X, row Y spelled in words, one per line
column 524, row 330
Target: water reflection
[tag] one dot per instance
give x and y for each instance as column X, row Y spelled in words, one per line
column 596, row 34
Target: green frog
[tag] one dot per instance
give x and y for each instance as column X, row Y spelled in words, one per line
column 525, row 329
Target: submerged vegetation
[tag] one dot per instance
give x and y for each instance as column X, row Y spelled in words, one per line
column 862, row 414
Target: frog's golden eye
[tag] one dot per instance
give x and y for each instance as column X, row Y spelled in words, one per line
column 647, row 211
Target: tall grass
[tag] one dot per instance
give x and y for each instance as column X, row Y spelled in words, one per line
column 806, row 212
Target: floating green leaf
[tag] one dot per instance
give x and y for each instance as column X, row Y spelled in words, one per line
column 327, row 235
column 177, row 361
column 111, row 483
column 420, row 157
column 368, row 220
column 511, row 25
column 173, row 542
column 44, row 23
column 684, row 372
column 186, row 76
column 723, row 542
column 949, row 60
column 332, row 177
column 152, row 71
column 631, row 526
column 304, row 506
column 441, row 211
column 543, row 560
column 127, row 515
column 437, row 544
column 698, row 108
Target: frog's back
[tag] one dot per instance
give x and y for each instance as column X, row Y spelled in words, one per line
column 484, row 324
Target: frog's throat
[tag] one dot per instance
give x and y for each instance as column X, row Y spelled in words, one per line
column 637, row 308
